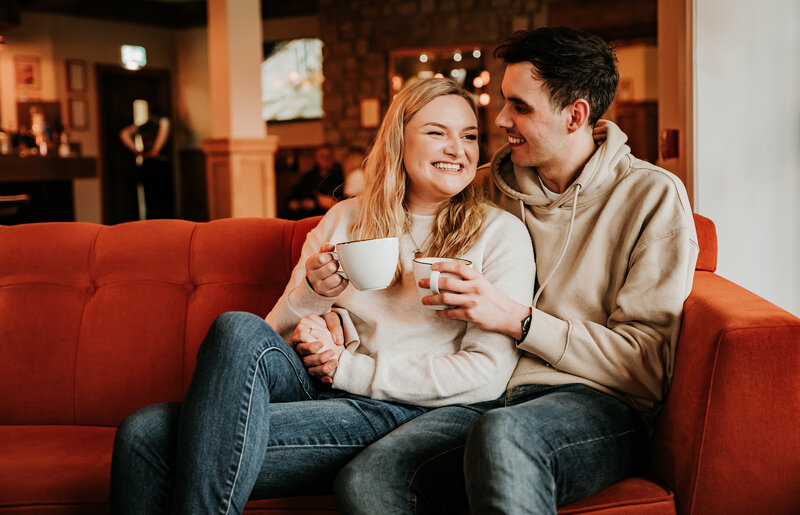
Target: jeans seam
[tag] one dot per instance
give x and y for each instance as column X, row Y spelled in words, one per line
column 583, row 442
column 247, row 416
column 294, row 369
column 316, row 445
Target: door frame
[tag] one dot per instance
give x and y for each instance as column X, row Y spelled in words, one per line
column 676, row 88
column 102, row 73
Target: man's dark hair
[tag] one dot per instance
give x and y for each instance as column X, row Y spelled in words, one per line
column 571, row 64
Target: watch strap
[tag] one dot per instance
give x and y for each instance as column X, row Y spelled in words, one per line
column 526, row 326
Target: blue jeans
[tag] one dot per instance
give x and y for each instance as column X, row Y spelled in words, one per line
column 252, row 424
column 534, row 449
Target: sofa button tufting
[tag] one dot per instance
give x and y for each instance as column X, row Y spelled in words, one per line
column 90, row 289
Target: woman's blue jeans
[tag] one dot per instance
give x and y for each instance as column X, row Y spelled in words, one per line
column 252, row 424
column 536, row 448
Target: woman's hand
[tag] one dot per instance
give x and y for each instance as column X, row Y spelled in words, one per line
column 318, row 341
column 321, row 272
column 475, row 300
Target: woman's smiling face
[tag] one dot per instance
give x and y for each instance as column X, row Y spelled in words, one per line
column 440, row 152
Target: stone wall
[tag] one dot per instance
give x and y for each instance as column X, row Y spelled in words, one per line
column 360, row 34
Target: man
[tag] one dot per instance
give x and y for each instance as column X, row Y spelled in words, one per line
column 615, row 249
column 319, row 188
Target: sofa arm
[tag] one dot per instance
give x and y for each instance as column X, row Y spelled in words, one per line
column 727, row 439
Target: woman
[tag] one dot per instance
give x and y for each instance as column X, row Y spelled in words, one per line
column 253, row 423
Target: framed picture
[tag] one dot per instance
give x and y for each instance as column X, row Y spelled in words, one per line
column 76, row 75
column 28, row 73
column 78, row 113
column 625, row 90
column 370, row 113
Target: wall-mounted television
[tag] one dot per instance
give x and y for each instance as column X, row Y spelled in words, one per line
column 291, row 80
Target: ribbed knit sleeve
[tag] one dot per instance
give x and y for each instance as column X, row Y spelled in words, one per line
column 299, row 299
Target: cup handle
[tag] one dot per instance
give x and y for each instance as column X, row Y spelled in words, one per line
column 435, row 282
column 335, row 256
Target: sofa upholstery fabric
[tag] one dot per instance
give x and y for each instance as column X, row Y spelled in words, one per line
column 98, row 321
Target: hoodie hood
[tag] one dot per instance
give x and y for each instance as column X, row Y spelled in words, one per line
column 521, row 183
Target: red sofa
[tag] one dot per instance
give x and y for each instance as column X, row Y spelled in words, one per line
column 98, row 321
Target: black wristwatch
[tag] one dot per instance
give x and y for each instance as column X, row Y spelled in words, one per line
column 526, row 326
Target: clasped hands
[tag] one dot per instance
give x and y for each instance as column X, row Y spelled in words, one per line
column 320, row 340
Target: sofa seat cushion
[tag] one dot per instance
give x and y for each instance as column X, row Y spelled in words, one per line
column 55, row 469
column 65, row 469
column 634, row 496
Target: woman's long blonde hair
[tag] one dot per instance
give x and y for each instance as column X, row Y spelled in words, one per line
column 384, row 211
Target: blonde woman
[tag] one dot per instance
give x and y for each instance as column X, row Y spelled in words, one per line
column 254, row 424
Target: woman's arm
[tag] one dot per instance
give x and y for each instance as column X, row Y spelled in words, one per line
column 484, row 361
column 126, row 137
column 161, row 137
column 300, row 299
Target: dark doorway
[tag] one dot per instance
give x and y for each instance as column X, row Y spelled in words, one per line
column 117, row 88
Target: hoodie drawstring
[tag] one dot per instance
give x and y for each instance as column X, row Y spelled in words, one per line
column 522, row 212
column 563, row 249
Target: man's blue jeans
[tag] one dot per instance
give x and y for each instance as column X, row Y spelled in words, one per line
column 252, row 422
column 537, row 448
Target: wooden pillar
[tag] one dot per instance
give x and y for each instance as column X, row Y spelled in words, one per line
column 240, row 157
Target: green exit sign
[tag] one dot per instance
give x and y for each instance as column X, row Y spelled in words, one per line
column 133, row 57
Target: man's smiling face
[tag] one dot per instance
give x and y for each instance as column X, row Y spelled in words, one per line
column 536, row 131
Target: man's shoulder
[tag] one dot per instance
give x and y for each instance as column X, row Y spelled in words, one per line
column 641, row 171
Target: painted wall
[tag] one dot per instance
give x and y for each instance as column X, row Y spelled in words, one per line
column 193, row 94
column 638, row 65
column 55, row 38
column 192, row 91
column 747, row 129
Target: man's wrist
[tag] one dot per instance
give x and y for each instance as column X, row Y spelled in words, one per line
column 516, row 318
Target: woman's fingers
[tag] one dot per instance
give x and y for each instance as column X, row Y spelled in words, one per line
column 318, row 358
column 309, row 329
column 321, row 271
column 324, row 370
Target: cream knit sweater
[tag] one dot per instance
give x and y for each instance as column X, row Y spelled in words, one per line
column 398, row 349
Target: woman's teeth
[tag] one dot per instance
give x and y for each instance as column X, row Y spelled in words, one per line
column 447, row 166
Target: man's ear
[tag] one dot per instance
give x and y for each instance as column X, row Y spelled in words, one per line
column 578, row 115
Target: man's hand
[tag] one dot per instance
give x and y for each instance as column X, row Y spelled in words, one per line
column 599, row 135
column 326, row 201
column 321, row 272
column 475, row 300
column 319, row 341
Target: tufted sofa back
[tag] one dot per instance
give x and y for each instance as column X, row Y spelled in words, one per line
column 97, row 321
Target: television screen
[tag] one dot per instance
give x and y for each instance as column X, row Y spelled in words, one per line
column 291, row 80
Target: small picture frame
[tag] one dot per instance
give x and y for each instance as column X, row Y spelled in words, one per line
column 78, row 113
column 625, row 90
column 27, row 73
column 76, row 76
column 370, row 113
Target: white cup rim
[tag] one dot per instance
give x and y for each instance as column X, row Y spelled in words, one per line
column 367, row 239
column 443, row 260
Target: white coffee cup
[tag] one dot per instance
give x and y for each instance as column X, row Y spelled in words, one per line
column 368, row 264
column 422, row 270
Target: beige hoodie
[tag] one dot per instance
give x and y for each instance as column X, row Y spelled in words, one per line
column 606, row 313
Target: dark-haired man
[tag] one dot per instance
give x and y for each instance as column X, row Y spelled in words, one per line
column 615, row 252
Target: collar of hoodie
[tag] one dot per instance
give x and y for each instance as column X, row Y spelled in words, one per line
column 594, row 175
